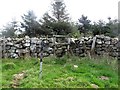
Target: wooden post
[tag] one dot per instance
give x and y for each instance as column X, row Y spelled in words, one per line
column 0, row 50
column 54, row 40
column 41, row 57
column 93, row 46
column 3, row 51
column 68, row 47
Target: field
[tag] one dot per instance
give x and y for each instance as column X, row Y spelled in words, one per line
column 72, row 72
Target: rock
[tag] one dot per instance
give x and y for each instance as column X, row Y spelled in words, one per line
column 17, row 78
column 26, row 37
column 33, row 48
column 104, row 78
column 14, row 55
column 17, row 46
column 107, row 38
column 86, row 38
column 75, row 66
column 27, row 41
column 102, row 44
column 27, row 44
column 9, row 39
column 94, row 86
column 107, row 42
column 99, row 41
column 9, row 44
column 0, row 51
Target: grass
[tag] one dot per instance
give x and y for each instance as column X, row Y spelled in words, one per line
column 61, row 73
column 0, row 74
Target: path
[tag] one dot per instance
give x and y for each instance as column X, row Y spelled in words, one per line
column 17, row 78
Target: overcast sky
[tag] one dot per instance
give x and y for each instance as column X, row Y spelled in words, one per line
column 94, row 9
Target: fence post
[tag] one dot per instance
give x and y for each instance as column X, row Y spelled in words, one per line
column 3, row 51
column 93, row 46
column 54, row 39
column 41, row 58
column 68, row 47
column 0, row 49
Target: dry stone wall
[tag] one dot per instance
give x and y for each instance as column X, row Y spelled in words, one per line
column 31, row 47
column 101, row 45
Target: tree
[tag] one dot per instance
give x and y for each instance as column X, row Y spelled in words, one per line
column 119, row 29
column 58, row 22
column 97, row 28
column 59, row 11
column 113, row 25
column 46, row 24
column 84, row 25
column 30, row 24
column 109, row 29
column 10, row 28
column 62, row 28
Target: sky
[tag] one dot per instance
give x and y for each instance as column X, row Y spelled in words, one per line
column 94, row 9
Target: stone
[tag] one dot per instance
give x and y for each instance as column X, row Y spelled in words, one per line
column 99, row 41
column 0, row 51
column 107, row 42
column 79, row 46
column 27, row 44
column 27, row 41
column 94, row 86
column 107, row 38
column 104, row 78
column 9, row 43
column 17, row 45
column 75, row 66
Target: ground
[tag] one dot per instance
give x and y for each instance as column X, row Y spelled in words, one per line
column 65, row 72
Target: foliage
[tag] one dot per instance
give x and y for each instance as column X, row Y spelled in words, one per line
column 32, row 27
column 100, row 28
column 59, row 11
column 74, row 33
column 113, row 24
column 58, row 22
column 84, row 25
column 62, row 28
column 46, row 24
column 9, row 29
column 109, row 29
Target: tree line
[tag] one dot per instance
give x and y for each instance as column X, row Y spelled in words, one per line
column 58, row 22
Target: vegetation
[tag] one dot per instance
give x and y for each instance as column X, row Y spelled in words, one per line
column 58, row 21
column 64, row 72
column 84, row 26
column 9, row 29
column 30, row 24
column 73, row 72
